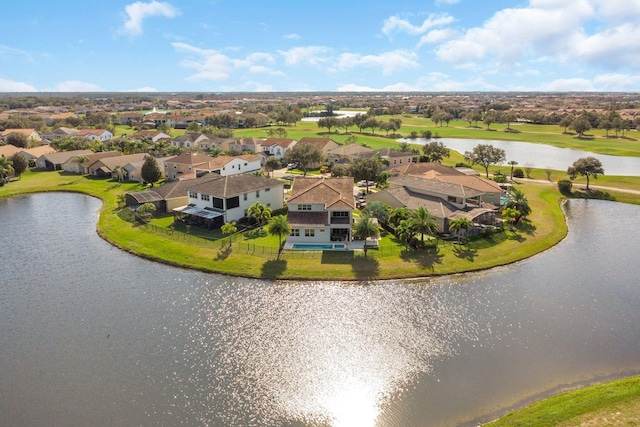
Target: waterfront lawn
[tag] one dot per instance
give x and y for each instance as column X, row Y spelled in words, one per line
column 613, row 403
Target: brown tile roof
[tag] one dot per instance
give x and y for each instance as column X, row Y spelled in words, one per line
column 351, row 149
column 63, row 156
column 25, row 132
column 422, row 168
column 113, row 161
column 232, row 185
column 39, row 151
column 282, row 142
column 307, row 218
column 404, row 197
column 9, row 150
column 481, row 184
column 433, row 185
column 334, row 193
column 318, row 142
column 95, row 132
column 190, row 158
column 174, row 189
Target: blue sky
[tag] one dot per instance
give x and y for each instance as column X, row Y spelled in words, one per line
column 329, row 45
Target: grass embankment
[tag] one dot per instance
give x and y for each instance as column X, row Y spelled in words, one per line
column 255, row 256
column 614, row 403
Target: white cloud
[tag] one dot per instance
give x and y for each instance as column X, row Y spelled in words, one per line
column 436, row 36
column 142, row 89
column 139, row 11
column 399, row 25
column 11, row 86
column 352, row 87
column 210, row 64
column 77, row 86
column 390, row 62
column 9, row 52
column 612, row 48
column 306, row 55
column 249, row 87
column 514, row 33
column 616, row 82
column 292, row 36
column 568, row 85
column 441, row 2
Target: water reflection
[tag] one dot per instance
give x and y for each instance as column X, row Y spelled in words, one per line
column 319, row 353
column 541, row 155
column 94, row 336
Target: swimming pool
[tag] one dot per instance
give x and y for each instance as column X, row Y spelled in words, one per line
column 319, row 246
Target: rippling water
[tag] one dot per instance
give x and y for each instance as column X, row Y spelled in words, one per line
column 94, row 336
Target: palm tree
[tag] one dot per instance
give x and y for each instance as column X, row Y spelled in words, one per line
column 279, row 226
column 81, row 160
column 366, row 228
column 455, row 225
column 421, row 221
column 397, row 215
column 6, row 168
column 512, row 163
column 229, row 228
column 518, row 201
column 118, row 173
column 260, row 213
column 404, row 232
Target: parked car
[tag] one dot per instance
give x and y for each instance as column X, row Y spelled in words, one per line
column 363, row 183
column 292, row 166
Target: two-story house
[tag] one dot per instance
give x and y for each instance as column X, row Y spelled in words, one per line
column 320, row 210
column 191, row 165
column 276, row 147
column 95, row 134
column 214, row 199
column 444, row 200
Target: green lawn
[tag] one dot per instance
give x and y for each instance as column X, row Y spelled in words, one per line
column 256, row 255
column 614, row 403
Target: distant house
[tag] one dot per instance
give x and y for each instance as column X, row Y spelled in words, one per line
column 190, row 165
column 153, row 135
column 72, row 165
column 320, row 210
column 193, row 141
column 58, row 133
column 95, row 134
column 130, row 119
column 348, row 153
column 133, row 170
column 9, row 150
column 32, row 154
column 396, row 158
column 165, row 197
column 214, row 200
column 324, row 144
column 277, row 147
column 250, row 144
column 105, row 166
column 54, row 161
column 31, row 134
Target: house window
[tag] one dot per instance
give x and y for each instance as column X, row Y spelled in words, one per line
column 451, row 199
column 245, row 164
column 268, row 205
column 309, row 232
column 258, row 193
column 295, row 232
column 267, row 189
column 192, row 194
column 233, row 202
column 218, row 203
column 204, row 197
column 340, row 213
column 244, row 196
column 304, row 207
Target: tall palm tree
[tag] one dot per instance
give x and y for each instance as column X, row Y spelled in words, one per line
column 81, row 160
column 518, row 201
column 455, row 225
column 512, row 163
column 421, row 221
column 260, row 213
column 279, row 226
column 366, row 228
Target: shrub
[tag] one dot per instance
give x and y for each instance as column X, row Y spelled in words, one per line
column 499, row 177
column 518, row 173
column 462, row 165
column 565, row 186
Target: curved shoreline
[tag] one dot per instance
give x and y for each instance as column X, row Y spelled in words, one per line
column 314, row 267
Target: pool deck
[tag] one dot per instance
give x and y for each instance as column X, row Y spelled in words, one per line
column 354, row 245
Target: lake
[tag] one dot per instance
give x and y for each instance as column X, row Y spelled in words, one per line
column 542, row 156
column 92, row 335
